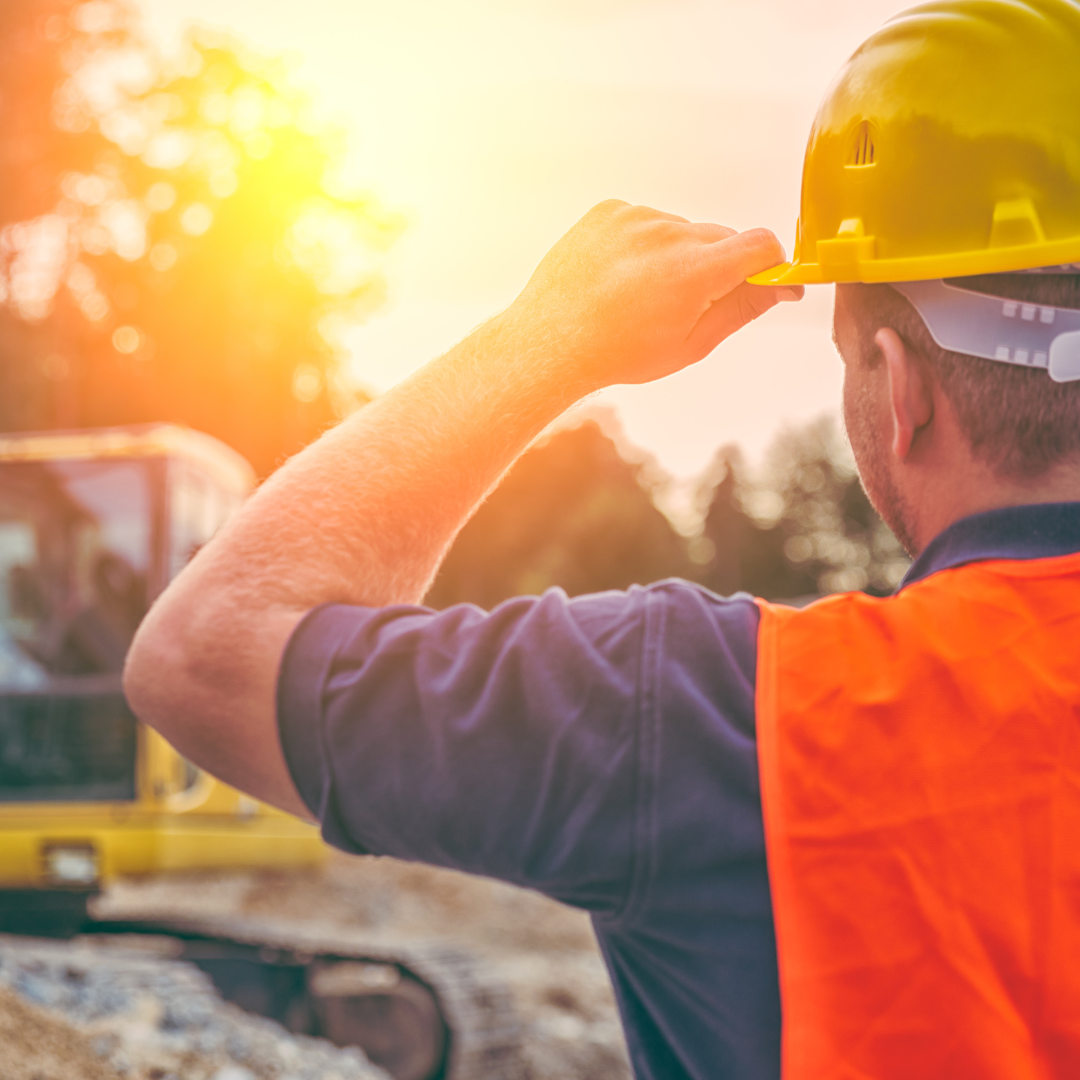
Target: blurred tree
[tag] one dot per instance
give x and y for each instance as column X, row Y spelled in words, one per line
column 33, row 68
column 805, row 527
column 573, row 513
column 175, row 241
column 736, row 552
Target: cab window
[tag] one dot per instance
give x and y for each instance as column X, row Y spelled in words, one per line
column 198, row 507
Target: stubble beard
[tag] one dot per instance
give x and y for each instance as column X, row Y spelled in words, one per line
column 869, row 443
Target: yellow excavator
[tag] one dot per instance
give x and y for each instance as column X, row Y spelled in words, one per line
column 93, row 526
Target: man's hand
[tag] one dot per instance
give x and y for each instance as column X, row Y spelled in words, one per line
column 365, row 515
column 630, row 294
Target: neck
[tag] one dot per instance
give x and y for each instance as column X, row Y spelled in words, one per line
column 948, row 495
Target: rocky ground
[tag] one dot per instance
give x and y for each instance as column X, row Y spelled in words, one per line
column 79, row 1012
column 544, row 953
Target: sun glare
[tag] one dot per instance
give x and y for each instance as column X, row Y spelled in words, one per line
column 352, row 187
column 493, row 127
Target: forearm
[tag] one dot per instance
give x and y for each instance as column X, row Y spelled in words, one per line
column 365, row 515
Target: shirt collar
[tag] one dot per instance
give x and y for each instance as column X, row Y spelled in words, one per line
column 1042, row 531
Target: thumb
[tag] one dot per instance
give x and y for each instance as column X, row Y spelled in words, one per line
column 730, row 313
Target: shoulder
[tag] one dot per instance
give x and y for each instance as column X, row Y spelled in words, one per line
column 693, row 626
column 684, row 604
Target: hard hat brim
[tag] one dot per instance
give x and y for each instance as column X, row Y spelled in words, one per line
column 924, row 268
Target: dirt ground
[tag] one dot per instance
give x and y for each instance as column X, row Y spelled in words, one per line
column 544, row 952
column 92, row 1009
column 40, row 1046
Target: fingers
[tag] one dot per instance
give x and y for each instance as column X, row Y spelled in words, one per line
column 707, row 233
column 742, row 305
column 659, row 215
column 625, row 251
column 703, row 231
column 656, row 230
column 615, row 209
column 727, row 263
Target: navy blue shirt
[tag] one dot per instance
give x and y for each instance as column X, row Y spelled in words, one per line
column 600, row 750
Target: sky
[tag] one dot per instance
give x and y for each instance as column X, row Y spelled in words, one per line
column 493, row 125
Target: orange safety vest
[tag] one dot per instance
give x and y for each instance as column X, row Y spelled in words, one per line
column 920, row 772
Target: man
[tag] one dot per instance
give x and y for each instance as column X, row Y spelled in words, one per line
column 904, row 877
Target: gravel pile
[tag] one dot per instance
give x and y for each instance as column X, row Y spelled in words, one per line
column 543, row 952
column 37, row 1045
column 135, row 1017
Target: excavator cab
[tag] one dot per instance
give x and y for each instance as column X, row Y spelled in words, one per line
column 93, row 526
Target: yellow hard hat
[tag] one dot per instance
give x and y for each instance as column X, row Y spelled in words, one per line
column 949, row 145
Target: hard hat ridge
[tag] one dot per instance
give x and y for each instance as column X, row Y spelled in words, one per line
column 947, row 146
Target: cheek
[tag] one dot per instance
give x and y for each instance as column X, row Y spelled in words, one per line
column 854, row 408
column 846, row 401
column 861, row 418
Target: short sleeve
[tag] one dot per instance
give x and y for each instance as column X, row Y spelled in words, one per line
column 501, row 743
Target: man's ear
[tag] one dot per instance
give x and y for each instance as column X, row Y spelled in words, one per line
column 911, row 400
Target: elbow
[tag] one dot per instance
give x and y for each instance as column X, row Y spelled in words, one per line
column 202, row 671
column 165, row 674
column 154, row 672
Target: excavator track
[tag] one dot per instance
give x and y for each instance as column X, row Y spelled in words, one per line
column 420, row 1009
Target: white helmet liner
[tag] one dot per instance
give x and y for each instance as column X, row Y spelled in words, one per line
column 1011, row 331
